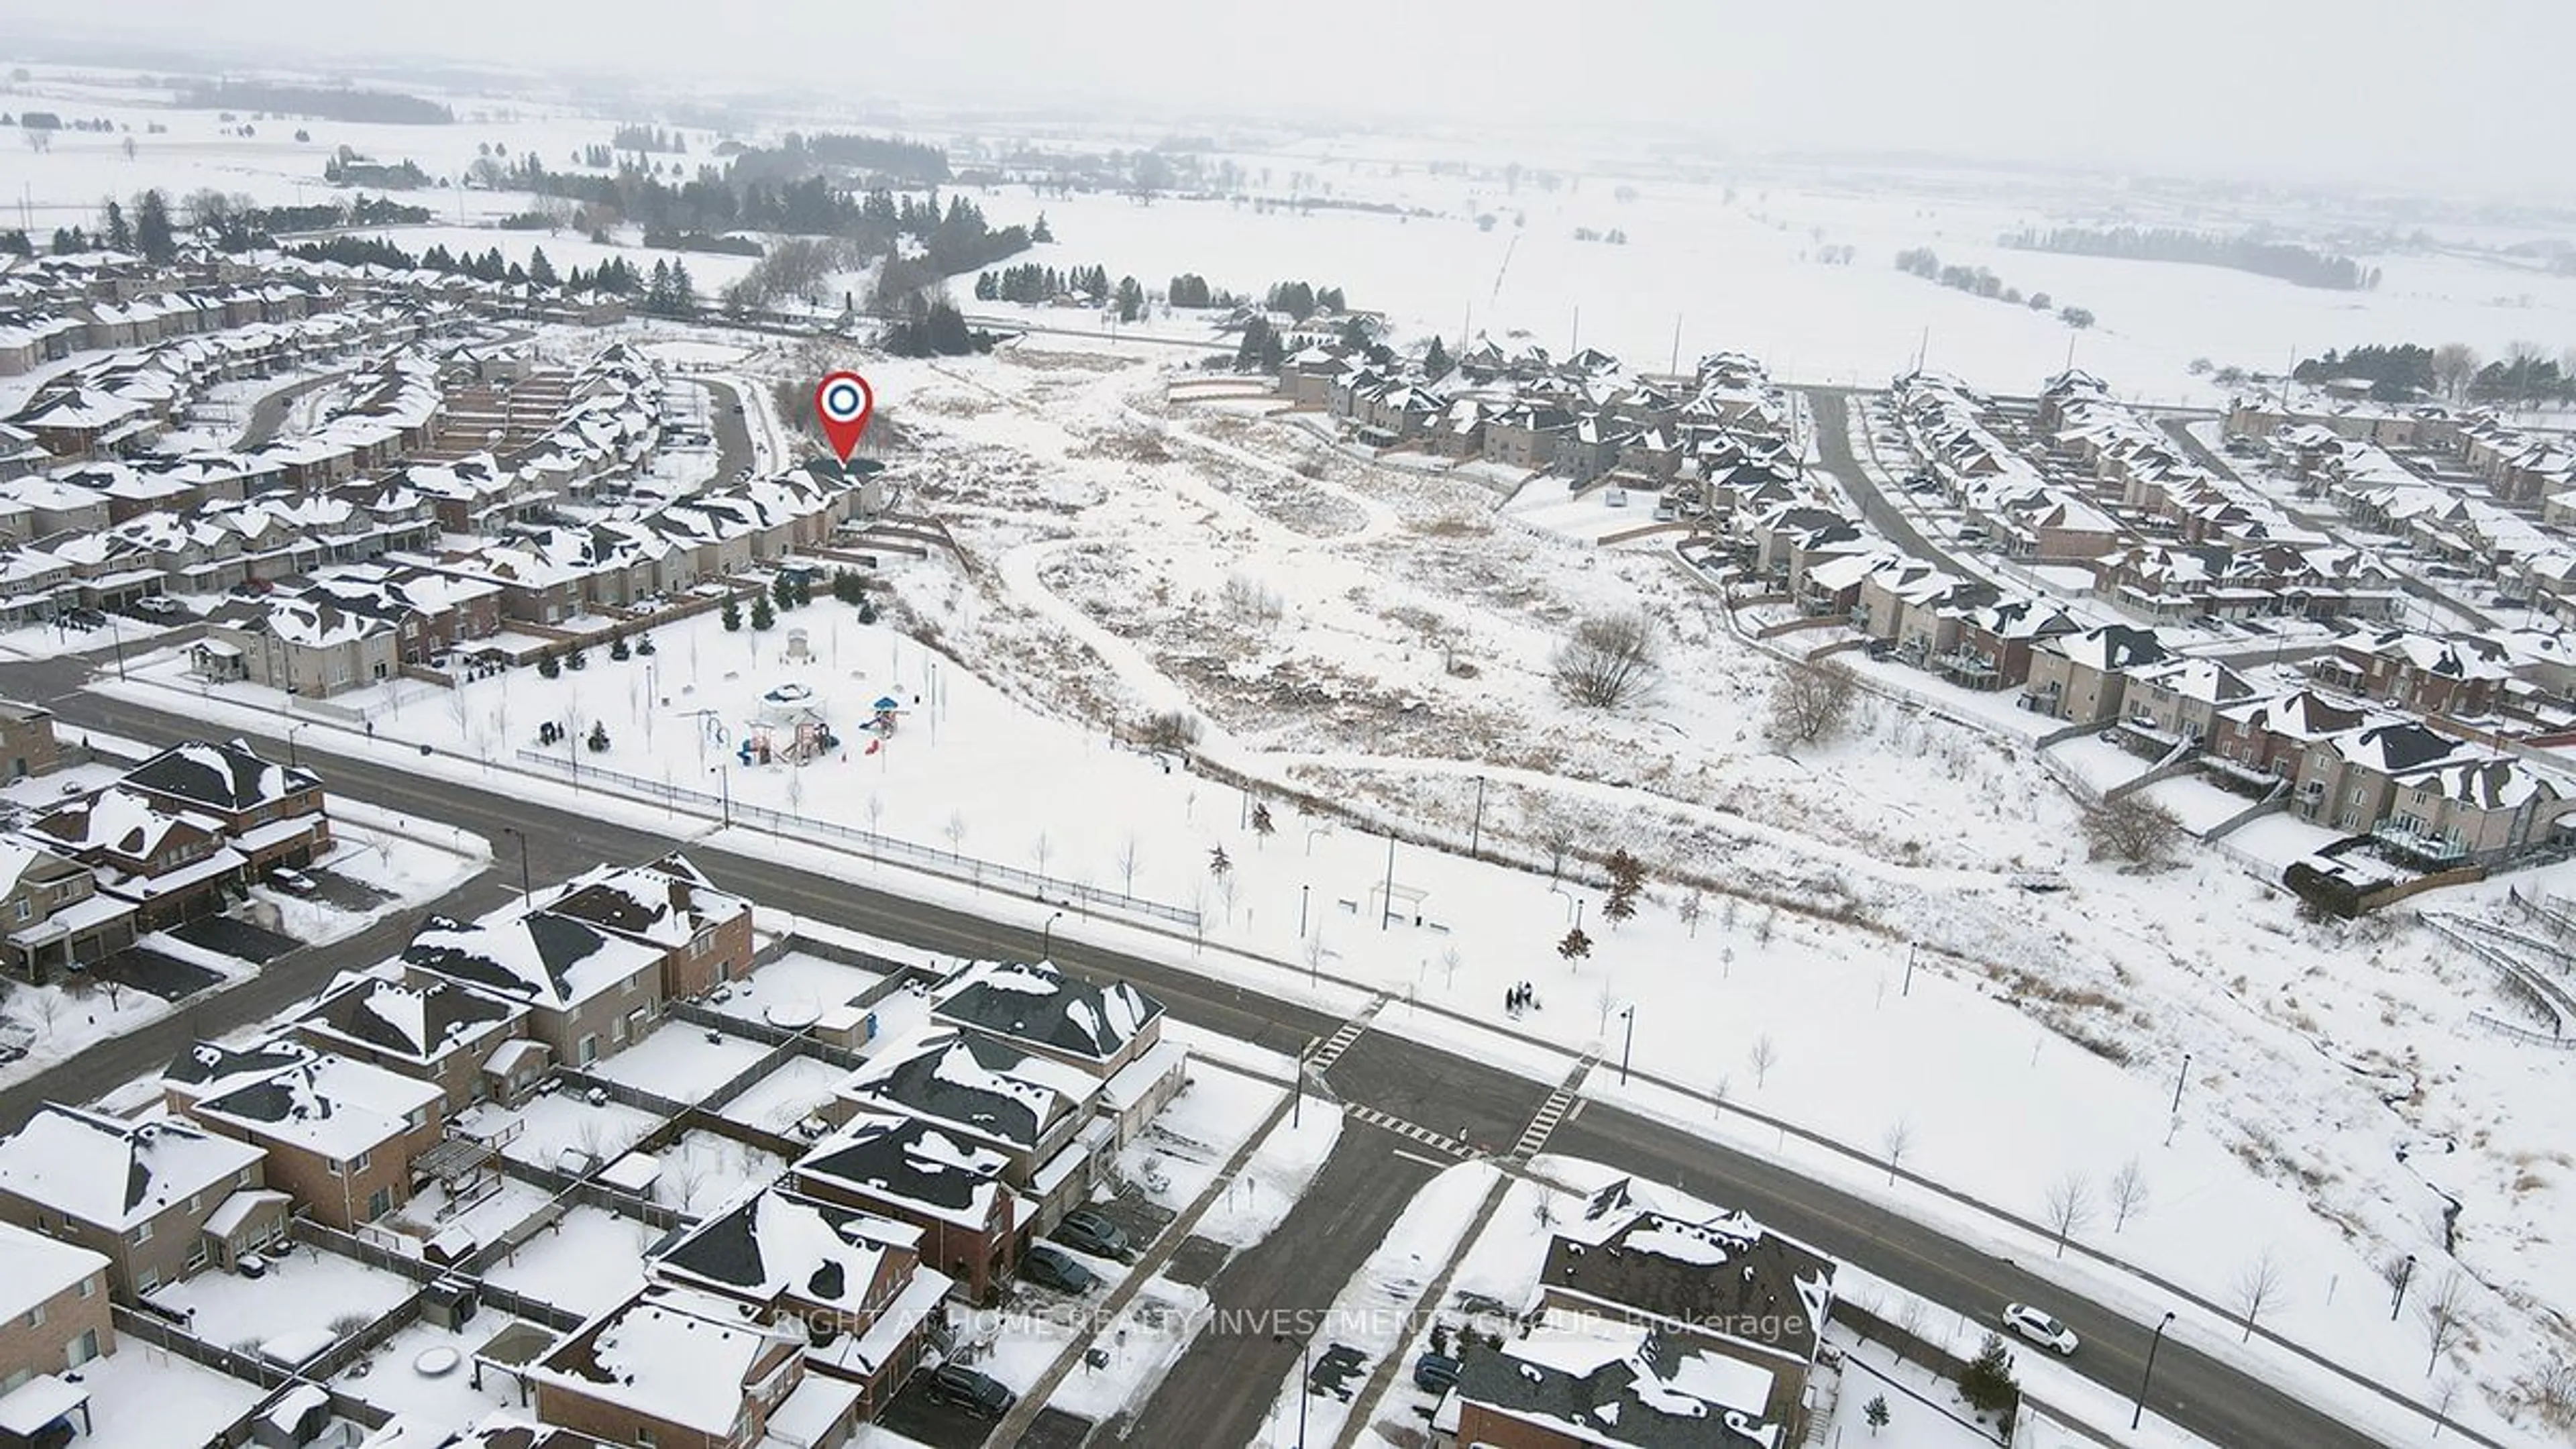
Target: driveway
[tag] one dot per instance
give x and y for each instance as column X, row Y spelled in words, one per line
column 238, row 939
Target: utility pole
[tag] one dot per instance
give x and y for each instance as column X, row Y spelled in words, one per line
column 1386, row 902
column 1676, row 366
column 1476, row 830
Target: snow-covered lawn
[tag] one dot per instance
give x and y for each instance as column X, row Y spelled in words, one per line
column 702, row 1170
column 787, row 1096
column 304, row 1292
column 591, row 1259
column 141, row 1397
column 487, row 1221
column 681, row 1062
column 560, row 1120
column 796, row 985
column 1181, row 1151
column 431, row 1406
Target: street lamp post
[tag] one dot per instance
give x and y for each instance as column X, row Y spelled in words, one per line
column 290, row 742
column 1476, row 829
column 2405, row 1271
column 1305, row 1369
column 1046, row 938
column 2144, row 1379
column 527, row 895
column 1386, row 903
column 1302, row 892
column 1629, row 1039
column 1908, row 988
column 724, row 781
column 2181, row 1077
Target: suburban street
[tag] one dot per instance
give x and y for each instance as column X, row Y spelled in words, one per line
column 1218, row 1391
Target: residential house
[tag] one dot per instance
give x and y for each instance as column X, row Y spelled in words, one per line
column 272, row 813
column 438, row 1031
column 852, row 1281
column 159, row 1198
column 1995, row 641
column 2475, row 811
column 1112, row 1032
column 1036, row 1110
column 2080, row 676
column 673, row 1368
column 172, row 867
column 589, row 994
column 340, row 1134
column 2349, row 781
column 2180, row 699
column 1651, row 1327
column 53, row 1319
column 55, row 918
column 27, row 743
column 2265, row 739
column 703, row 934
column 2460, row 677
column 949, row 1187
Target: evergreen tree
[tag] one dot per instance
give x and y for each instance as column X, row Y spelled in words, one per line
column 783, row 590
column 762, row 616
column 804, row 590
column 1248, row 353
column 657, row 294
column 1219, row 864
column 1041, row 233
column 1987, row 1382
column 1435, row 359
column 732, row 616
column 684, row 293
column 1131, row 300
column 1875, row 1411
column 540, row 270
column 152, row 234
column 120, row 237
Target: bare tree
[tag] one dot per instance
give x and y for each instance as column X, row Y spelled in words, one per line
column 1764, row 1055
column 955, row 830
column 1315, row 954
column 2258, row 1286
column 1608, row 662
column 2070, row 1207
column 1128, row 859
column 2445, row 1312
column 2131, row 828
column 1228, row 887
column 1042, row 850
column 1909, row 1324
column 1690, row 911
column 686, row 1177
column 1809, row 702
column 876, row 813
column 47, row 1007
column 2454, row 363
column 2128, row 1193
column 1172, row 729
column 1898, row 1137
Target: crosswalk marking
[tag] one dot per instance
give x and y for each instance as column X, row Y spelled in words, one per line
column 1340, row 1042
column 1552, row 1112
column 1418, row 1133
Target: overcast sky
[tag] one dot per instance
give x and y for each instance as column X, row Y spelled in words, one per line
column 2422, row 94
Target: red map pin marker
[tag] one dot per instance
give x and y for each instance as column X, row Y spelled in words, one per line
column 843, row 401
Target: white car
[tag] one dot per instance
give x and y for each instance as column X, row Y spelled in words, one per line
column 2040, row 1329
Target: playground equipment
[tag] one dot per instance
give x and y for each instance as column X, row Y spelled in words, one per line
column 789, row 729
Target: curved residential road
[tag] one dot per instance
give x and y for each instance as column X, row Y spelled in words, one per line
column 1439, row 1089
column 1832, row 412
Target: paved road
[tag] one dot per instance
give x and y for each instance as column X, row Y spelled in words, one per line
column 1831, row 411
column 1297, row 1266
column 1222, row 1387
column 732, row 430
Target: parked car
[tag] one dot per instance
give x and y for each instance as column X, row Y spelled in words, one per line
column 979, row 1394
column 156, row 607
column 2040, row 1329
column 294, row 882
column 1055, row 1268
column 1089, row 1231
column 1437, row 1372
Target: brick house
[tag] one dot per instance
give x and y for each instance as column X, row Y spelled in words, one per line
column 171, row 867
column 674, row 1368
column 2349, row 781
column 949, row 1189
column 273, row 814
column 1648, row 1326
column 702, row 933
column 53, row 1319
column 436, row 1032
column 340, row 1135
column 54, row 915
column 160, row 1199
column 2458, row 677
column 2269, row 736
column 986, row 1091
column 854, row 1280
column 589, row 994
column 27, row 743
column 2181, row 698
column 1113, row 1032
